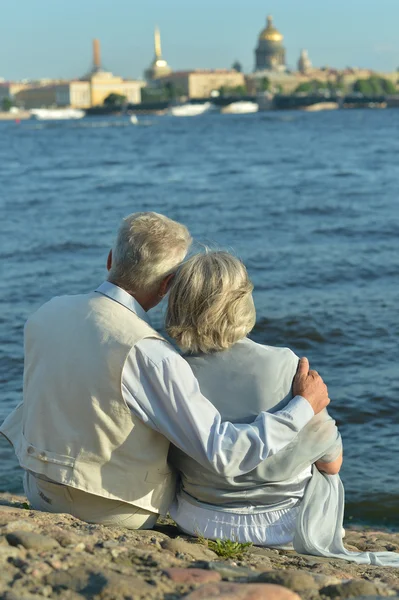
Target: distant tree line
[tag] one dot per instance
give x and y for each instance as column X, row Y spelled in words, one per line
column 162, row 93
column 115, row 100
column 316, row 87
column 6, row 104
column 375, row 86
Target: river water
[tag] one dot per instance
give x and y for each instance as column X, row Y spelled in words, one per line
column 308, row 201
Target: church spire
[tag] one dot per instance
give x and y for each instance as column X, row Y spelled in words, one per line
column 157, row 43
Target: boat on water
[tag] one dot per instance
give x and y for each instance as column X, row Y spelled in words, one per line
column 240, row 108
column 57, row 114
column 189, row 110
column 134, row 120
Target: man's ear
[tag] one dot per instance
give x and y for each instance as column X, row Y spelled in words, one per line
column 109, row 260
column 165, row 285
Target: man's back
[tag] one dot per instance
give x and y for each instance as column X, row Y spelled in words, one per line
column 76, row 426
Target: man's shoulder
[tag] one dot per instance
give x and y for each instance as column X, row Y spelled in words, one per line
column 59, row 302
column 158, row 351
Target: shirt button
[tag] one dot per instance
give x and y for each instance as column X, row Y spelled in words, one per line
column 30, row 450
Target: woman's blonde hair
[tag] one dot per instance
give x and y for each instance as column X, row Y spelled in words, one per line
column 210, row 304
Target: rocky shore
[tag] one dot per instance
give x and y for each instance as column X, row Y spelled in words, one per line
column 57, row 556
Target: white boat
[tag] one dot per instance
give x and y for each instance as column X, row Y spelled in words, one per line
column 134, row 120
column 189, row 110
column 57, row 114
column 240, row 108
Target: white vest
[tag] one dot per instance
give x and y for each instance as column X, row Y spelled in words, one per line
column 74, row 426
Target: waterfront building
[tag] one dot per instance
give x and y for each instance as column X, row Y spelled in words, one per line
column 201, row 83
column 159, row 67
column 9, row 90
column 89, row 91
column 270, row 52
column 80, row 93
column 104, row 83
column 304, row 62
column 37, row 94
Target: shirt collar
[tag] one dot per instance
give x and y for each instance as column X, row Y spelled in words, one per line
column 122, row 297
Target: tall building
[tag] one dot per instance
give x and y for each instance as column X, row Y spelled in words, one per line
column 159, row 67
column 304, row 62
column 96, row 57
column 270, row 52
column 102, row 83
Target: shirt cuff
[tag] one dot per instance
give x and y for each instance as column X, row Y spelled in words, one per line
column 300, row 410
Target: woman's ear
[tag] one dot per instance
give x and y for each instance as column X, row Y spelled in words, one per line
column 109, row 260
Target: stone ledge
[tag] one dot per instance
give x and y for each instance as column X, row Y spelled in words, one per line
column 45, row 555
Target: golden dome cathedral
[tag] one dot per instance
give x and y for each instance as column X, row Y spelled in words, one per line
column 270, row 33
column 270, row 52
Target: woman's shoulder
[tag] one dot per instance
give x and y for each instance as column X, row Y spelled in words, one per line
column 267, row 361
column 264, row 350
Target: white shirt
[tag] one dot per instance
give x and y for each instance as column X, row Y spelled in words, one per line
column 160, row 388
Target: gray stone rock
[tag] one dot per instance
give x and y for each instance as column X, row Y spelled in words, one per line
column 19, row 596
column 181, row 547
column 269, row 552
column 375, row 598
column 104, row 585
column 5, row 508
column 19, row 525
column 315, row 560
column 7, row 552
column 230, row 572
column 353, row 589
column 298, row 581
column 325, row 580
column 31, row 541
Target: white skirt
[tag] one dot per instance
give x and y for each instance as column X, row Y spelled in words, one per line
column 272, row 528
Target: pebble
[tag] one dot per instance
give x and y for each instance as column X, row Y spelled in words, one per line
column 325, row 580
column 181, row 547
column 17, row 596
column 31, row 541
column 230, row 572
column 299, row 581
column 20, row 524
column 81, row 547
column 192, row 576
column 7, row 551
column 10, row 509
column 241, row 591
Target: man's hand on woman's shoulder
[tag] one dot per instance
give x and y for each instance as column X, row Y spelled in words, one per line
column 310, row 385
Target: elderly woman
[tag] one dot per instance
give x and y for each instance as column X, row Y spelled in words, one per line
column 295, row 497
column 210, row 313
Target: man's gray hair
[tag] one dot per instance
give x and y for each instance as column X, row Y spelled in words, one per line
column 148, row 247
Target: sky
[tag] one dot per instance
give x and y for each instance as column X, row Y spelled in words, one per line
column 52, row 38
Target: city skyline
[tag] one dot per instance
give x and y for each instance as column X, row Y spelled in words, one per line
column 55, row 41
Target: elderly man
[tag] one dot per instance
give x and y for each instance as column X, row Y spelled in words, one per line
column 105, row 394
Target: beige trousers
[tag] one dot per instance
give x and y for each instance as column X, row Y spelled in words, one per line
column 49, row 496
